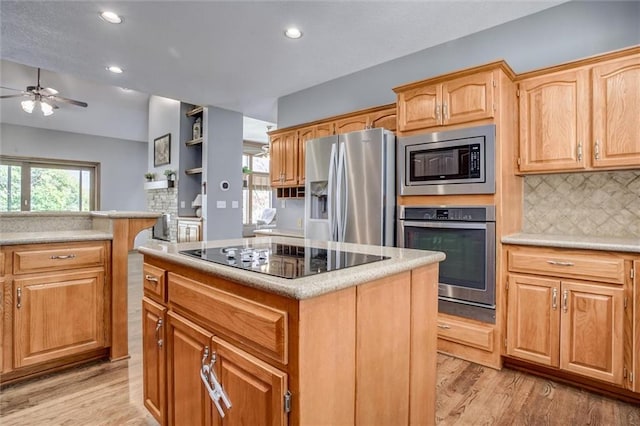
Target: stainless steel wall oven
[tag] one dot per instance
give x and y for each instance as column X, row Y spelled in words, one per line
column 467, row 235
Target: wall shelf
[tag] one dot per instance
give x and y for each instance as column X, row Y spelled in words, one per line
column 159, row 184
column 193, row 142
column 195, row 111
column 194, row 171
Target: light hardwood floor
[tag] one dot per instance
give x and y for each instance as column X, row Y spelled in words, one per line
column 105, row 393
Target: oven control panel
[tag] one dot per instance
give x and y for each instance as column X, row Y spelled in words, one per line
column 448, row 214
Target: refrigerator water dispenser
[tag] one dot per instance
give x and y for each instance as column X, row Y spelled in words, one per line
column 318, row 200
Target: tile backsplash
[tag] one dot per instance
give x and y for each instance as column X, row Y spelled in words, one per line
column 594, row 204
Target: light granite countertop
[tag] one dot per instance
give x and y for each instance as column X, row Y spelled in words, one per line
column 631, row 245
column 281, row 232
column 299, row 288
column 13, row 238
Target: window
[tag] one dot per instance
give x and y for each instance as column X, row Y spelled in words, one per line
column 256, row 192
column 28, row 184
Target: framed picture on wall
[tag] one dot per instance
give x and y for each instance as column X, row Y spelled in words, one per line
column 162, row 150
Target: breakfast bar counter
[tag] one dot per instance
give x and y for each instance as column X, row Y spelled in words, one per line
column 278, row 330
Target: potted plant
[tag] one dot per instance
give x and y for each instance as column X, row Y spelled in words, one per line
column 150, row 176
column 170, row 174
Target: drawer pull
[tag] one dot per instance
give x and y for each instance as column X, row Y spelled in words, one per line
column 444, row 326
column 151, row 278
column 559, row 263
column 63, row 256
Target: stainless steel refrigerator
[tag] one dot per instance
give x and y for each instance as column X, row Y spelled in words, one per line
column 350, row 188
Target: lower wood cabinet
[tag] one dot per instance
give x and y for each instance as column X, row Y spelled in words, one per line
column 55, row 306
column 189, row 230
column 575, row 326
column 154, row 358
column 580, row 326
column 254, row 388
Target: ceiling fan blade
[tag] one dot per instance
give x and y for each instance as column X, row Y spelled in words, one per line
column 14, row 96
column 67, row 100
column 48, row 91
column 15, row 90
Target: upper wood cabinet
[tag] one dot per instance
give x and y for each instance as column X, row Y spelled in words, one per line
column 452, row 101
column 284, row 159
column 288, row 146
column 581, row 118
column 616, row 113
column 554, row 121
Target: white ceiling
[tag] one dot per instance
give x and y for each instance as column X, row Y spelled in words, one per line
column 230, row 54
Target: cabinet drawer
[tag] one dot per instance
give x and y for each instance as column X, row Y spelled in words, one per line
column 258, row 326
column 153, row 279
column 566, row 264
column 54, row 258
column 466, row 333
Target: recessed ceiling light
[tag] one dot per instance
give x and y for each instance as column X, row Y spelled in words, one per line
column 115, row 69
column 293, row 33
column 110, row 17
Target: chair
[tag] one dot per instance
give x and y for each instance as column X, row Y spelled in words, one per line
column 267, row 219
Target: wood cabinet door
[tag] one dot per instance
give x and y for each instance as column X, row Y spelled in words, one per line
column 616, row 113
column 57, row 315
column 303, row 136
column 533, row 316
column 636, row 327
column 188, row 401
column 256, row 389
column 351, row 124
column 554, row 122
column 153, row 358
column 289, row 158
column 591, row 333
column 2, row 302
column 419, row 108
column 276, row 160
column 386, row 119
column 325, row 129
column 468, row 98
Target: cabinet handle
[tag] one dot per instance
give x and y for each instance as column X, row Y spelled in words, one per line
column 158, row 327
column 444, row 326
column 596, row 150
column 437, row 112
column 151, row 278
column 579, row 152
column 554, row 299
column 19, row 298
column 559, row 263
column 63, row 256
column 445, row 111
column 565, row 297
column 212, row 384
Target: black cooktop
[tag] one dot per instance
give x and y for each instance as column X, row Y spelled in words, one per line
column 283, row 260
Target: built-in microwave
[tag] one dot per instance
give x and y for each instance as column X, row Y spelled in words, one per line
column 453, row 162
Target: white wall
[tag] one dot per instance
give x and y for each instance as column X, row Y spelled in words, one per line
column 560, row 34
column 122, row 162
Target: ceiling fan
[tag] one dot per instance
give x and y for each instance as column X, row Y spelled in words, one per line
column 45, row 96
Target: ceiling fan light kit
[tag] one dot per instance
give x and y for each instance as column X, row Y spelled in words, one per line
column 45, row 96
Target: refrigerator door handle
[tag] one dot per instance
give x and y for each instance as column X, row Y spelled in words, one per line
column 331, row 193
column 343, row 190
column 341, row 195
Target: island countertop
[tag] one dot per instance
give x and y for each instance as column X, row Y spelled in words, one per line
column 400, row 260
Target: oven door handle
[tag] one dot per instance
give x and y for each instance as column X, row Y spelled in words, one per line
column 443, row 225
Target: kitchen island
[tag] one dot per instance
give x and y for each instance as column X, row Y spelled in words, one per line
column 337, row 345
